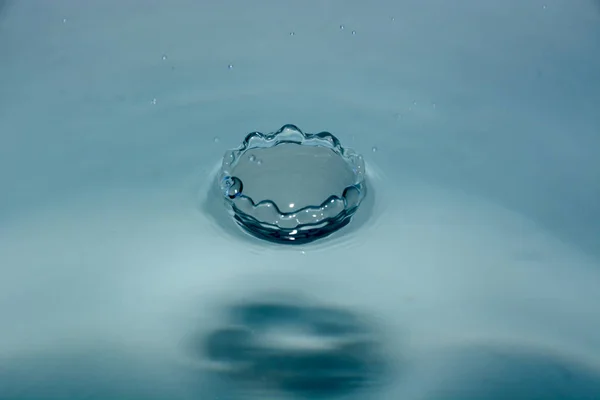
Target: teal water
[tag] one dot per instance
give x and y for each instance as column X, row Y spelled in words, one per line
column 476, row 262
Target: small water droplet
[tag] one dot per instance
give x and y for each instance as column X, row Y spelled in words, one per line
column 393, row 19
column 292, row 33
column 232, row 187
column 354, row 32
column 544, row 6
column 216, row 139
column 342, row 27
column 64, row 20
column 351, row 197
column 414, row 103
column 164, row 57
column 153, row 101
column 434, row 106
column 374, row 149
column 230, row 66
column 252, row 158
column 259, row 162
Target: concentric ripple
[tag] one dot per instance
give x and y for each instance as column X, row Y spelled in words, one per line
column 292, row 187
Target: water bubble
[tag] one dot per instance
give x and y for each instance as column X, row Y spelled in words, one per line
column 164, row 57
column 342, row 27
column 301, row 197
column 374, row 149
column 216, row 139
column 153, row 101
column 292, row 33
column 64, row 21
column 230, row 66
column 232, row 187
column 354, row 32
column 544, row 6
column 434, row 106
column 393, row 19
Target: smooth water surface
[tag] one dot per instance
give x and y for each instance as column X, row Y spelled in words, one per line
column 473, row 266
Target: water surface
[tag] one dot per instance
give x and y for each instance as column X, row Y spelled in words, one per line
column 476, row 264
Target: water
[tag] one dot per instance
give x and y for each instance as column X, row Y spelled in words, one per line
column 474, row 265
column 301, row 187
column 282, row 346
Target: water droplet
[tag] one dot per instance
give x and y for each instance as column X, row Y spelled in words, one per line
column 374, row 149
column 306, row 204
column 230, row 66
column 153, row 101
column 232, row 186
column 434, row 106
column 292, row 33
column 342, row 27
column 544, row 6
column 414, row 103
column 164, row 57
column 393, row 19
column 216, row 139
column 64, row 20
column 354, row 32
column 351, row 197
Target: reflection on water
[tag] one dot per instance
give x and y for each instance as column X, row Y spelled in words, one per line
column 294, row 347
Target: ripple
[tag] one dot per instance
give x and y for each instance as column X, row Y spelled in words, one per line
column 365, row 222
column 292, row 187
